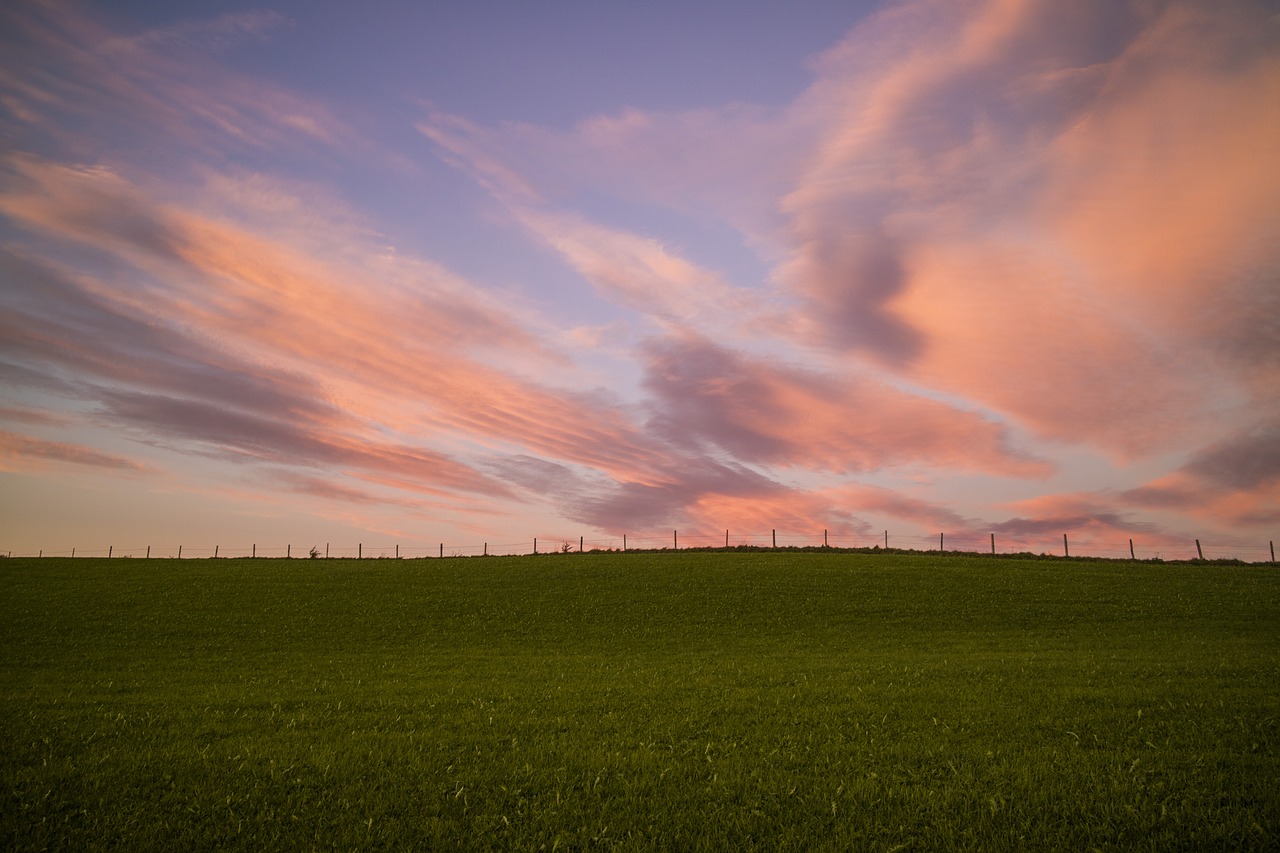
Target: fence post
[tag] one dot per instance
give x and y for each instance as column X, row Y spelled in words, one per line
column 397, row 550
column 255, row 550
column 675, row 540
column 359, row 550
column 179, row 552
column 1132, row 556
column 775, row 538
column 1066, row 550
column 1198, row 551
column 824, row 538
column 442, row 550
column 148, row 552
column 886, row 540
column 993, row 543
column 326, row 550
column 1272, row 542
column 110, row 548
column 535, row 545
column 215, row 552
column 726, row 539
column 624, row 541
column 942, row 538
column 579, row 544
column 73, row 553
column 486, row 549
column 288, row 552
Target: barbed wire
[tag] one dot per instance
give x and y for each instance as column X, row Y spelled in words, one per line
column 961, row 543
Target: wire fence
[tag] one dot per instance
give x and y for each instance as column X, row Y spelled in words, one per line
column 960, row 543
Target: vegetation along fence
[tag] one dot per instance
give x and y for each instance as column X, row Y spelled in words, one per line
column 675, row 540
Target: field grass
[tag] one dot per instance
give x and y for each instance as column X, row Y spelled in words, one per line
column 667, row 701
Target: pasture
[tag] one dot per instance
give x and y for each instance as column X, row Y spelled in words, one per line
column 639, row 701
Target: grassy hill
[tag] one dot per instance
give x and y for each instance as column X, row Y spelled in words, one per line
column 678, row 701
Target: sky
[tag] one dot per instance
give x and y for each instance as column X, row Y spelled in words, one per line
column 483, row 272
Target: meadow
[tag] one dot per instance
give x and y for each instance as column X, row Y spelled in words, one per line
column 639, row 701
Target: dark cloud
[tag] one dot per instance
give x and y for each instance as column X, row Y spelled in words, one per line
column 57, row 332
column 1175, row 496
column 1060, row 524
column 167, row 386
column 1243, row 462
column 852, row 279
column 214, row 424
column 54, row 325
column 1251, row 332
column 543, row 476
column 250, row 436
column 702, row 391
column 1248, row 462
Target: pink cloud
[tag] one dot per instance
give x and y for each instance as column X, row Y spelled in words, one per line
column 852, row 513
column 883, row 502
column 1091, row 520
column 987, row 227
column 790, row 512
column 1234, row 483
column 428, row 356
column 768, row 413
column 1031, row 206
column 641, row 273
column 21, row 451
column 1059, row 211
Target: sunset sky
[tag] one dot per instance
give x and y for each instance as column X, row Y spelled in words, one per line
column 465, row 272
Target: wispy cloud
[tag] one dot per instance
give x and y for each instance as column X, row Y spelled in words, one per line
column 19, row 451
column 60, row 69
column 640, row 273
column 764, row 412
column 311, row 367
column 220, row 33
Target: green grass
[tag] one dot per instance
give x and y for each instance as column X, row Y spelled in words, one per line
column 639, row 701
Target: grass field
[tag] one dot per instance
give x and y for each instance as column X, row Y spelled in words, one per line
column 672, row 701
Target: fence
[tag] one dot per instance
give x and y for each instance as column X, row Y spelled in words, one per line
column 991, row 543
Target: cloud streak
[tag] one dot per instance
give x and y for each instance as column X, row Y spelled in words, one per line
column 761, row 411
column 21, row 449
